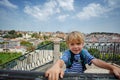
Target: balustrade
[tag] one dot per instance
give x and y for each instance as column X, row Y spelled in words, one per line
column 30, row 75
column 108, row 51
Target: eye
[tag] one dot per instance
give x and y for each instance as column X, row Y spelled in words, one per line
column 72, row 44
column 78, row 43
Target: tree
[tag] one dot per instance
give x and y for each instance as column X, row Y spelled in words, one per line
column 46, row 45
column 26, row 43
column 63, row 46
column 29, row 46
column 12, row 34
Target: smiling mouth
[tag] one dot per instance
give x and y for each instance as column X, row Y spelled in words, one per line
column 76, row 51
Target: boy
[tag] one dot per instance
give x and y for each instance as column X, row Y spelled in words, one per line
column 75, row 42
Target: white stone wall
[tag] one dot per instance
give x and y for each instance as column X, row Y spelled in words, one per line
column 34, row 59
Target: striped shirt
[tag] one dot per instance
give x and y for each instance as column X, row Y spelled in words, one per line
column 76, row 66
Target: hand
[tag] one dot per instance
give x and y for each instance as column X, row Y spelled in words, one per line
column 116, row 71
column 54, row 72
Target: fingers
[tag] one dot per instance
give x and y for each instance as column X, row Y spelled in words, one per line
column 61, row 74
column 57, row 76
column 46, row 74
column 117, row 73
column 52, row 76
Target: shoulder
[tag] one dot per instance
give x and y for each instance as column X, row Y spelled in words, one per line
column 65, row 56
column 66, row 52
column 85, row 52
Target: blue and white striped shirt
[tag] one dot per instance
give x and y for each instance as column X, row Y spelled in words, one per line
column 76, row 66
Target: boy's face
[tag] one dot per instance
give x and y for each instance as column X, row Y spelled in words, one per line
column 75, row 47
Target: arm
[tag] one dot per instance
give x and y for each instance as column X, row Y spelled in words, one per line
column 105, row 65
column 56, row 70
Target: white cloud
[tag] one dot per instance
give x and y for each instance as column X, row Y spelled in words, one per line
column 8, row 4
column 97, row 10
column 66, row 4
column 114, row 3
column 92, row 10
column 63, row 17
column 44, row 12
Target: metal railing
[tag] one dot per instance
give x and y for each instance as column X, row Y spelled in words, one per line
column 24, row 59
column 30, row 75
column 108, row 51
column 105, row 48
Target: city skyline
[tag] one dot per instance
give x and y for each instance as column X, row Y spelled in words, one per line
column 60, row 15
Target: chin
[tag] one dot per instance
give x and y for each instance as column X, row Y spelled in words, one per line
column 76, row 52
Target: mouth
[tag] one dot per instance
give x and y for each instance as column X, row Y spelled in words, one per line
column 76, row 51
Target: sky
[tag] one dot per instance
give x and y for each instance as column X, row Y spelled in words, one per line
column 60, row 15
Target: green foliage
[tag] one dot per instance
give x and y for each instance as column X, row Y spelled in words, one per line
column 8, row 56
column 47, row 43
column 19, row 35
column 29, row 46
column 46, row 37
column 95, row 52
column 105, row 56
column 63, row 46
column 25, row 43
column 12, row 34
column 35, row 35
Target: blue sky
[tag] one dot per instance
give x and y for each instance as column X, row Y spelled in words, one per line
column 60, row 15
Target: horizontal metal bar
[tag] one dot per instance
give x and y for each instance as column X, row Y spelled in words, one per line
column 32, row 75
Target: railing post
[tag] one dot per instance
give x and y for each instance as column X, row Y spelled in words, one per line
column 114, row 52
column 29, row 59
column 56, row 53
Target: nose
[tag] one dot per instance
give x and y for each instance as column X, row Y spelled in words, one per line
column 75, row 46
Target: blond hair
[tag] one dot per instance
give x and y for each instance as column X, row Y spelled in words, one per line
column 75, row 36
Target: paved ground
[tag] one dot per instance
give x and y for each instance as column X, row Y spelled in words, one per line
column 95, row 69
column 90, row 69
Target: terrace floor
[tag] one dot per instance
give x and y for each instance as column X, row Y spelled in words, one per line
column 95, row 69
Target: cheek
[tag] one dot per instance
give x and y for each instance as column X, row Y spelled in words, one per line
column 81, row 47
column 71, row 47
